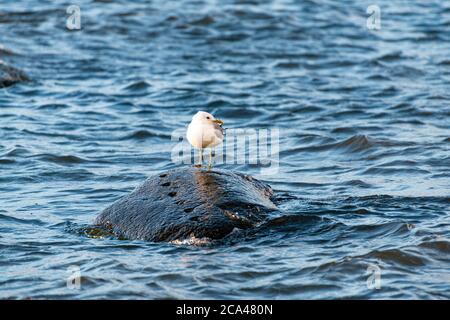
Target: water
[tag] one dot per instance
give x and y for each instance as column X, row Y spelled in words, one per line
column 364, row 150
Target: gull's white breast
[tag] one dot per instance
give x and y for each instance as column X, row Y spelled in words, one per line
column 202, row 135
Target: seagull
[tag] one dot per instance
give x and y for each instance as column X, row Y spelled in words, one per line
column 205, row 131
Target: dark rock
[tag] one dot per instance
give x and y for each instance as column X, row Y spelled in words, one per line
column 10, row 75
column 5, row 51
column 189, row 203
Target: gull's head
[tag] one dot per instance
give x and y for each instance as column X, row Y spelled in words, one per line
column 205, row 118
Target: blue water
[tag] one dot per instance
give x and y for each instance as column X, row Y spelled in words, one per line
column 364, row 161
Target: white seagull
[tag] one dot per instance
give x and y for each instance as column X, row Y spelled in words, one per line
column 205, row 131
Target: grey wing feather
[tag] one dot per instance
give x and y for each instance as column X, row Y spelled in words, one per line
column 218, row 130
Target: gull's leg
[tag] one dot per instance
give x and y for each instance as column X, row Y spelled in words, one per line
column 201, row 157
column 210, row 158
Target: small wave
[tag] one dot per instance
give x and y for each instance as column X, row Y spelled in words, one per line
column 17, row 151
column 308, row 109
column 441, row 246
column 205, row 21
column 391, row 91
column 137, row 86
column 239, row 113
column 229, row 37
column 53, row 106
column 60, row 175
column 388, row 229
column 33, row 17
column 356, row 143
column 399, row 163
column 287, row 65
column 394, row 171
column 295, row 223
column 445, row 62
column 378, row 77
column 143, row 134
column 357, row 183
column 7, row 218
column 398, row 256
column 289, row 289
column 66, row 159
column 192, row 241
column 344, row 130
column 51, row 134
column 288, row 219
column 7, row 161
column 392, row 56
column 407, row 72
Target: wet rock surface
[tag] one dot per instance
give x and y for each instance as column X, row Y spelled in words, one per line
column 189, row 202
column 9, row 75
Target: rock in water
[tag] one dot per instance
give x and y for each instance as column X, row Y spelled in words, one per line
column 10, row 75
column 189, row 202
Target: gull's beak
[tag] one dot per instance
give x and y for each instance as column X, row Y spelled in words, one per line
column 220, row 122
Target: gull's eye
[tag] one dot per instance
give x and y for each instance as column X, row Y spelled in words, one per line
column 208, row 118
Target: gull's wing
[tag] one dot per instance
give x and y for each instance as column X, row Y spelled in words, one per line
column 218, row 131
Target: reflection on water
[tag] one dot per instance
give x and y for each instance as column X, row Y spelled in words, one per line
column 364, row 144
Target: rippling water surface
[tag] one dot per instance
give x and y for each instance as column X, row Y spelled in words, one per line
column 364, row 156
